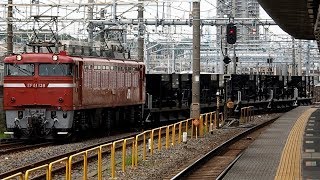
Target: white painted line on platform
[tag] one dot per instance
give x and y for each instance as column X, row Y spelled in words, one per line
column 311, row 163
column 310, row 150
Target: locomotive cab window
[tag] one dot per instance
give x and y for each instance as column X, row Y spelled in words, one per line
column 19, row 69
column 55, row 70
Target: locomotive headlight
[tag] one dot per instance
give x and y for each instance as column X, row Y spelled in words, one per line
column 19, row 57
column 60, row 100
column 55, row 57
column 20, row 114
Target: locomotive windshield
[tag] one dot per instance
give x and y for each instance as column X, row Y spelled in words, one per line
column 19, row 69
column 55, row 70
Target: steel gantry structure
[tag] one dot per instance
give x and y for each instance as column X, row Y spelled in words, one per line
column 84, row 21
column 97, row 17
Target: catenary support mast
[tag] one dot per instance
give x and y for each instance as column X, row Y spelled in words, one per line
column 195, row 106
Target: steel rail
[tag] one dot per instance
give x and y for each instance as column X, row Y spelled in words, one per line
column 23, row 148
column 8, row 144
column 89, row 158
column 76, row 163
column 225, row 171
column 51, row 159
column 218, row 150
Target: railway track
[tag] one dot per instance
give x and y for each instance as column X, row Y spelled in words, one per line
column 9, row 143
column 76, row 162
column 8, row 140
column 51, row 159
column 20, row 146
column 79, row 162
column 216, row 163
column 233, row 153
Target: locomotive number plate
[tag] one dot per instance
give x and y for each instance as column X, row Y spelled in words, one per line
column 36, row 85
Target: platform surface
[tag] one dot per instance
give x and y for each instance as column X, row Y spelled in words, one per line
column 278, row 152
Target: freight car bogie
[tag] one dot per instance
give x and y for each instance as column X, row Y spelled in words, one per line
column 106, row 120
column 122, row 118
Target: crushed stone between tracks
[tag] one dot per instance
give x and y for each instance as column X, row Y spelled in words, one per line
column 158, row 166
column 164, row 163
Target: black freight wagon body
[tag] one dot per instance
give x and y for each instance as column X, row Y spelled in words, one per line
column 169, row 95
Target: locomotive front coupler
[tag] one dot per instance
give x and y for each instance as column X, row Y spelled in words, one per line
column 35, row 121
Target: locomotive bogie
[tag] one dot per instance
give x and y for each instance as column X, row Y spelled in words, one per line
column 40, row 123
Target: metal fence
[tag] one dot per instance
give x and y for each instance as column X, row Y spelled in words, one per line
column 136, row 149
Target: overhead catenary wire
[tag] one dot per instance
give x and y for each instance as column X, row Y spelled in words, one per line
column 81, row 9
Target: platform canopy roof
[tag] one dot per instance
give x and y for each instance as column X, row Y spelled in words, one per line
column 296, row 17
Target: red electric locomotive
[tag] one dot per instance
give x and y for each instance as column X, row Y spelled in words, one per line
column 48, row 95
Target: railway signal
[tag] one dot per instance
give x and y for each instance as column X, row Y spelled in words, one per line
column 269, row 60
column 231, row 33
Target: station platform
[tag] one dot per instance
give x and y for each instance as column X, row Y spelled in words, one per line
column 288, row 149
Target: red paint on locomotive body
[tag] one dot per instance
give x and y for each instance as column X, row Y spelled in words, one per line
column 26, row 87
column 108, row 83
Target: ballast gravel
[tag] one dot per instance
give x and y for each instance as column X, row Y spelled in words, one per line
column 163, row 164
column 160, row 165
column 12, row 161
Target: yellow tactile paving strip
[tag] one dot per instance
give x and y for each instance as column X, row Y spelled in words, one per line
column 290, row 162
